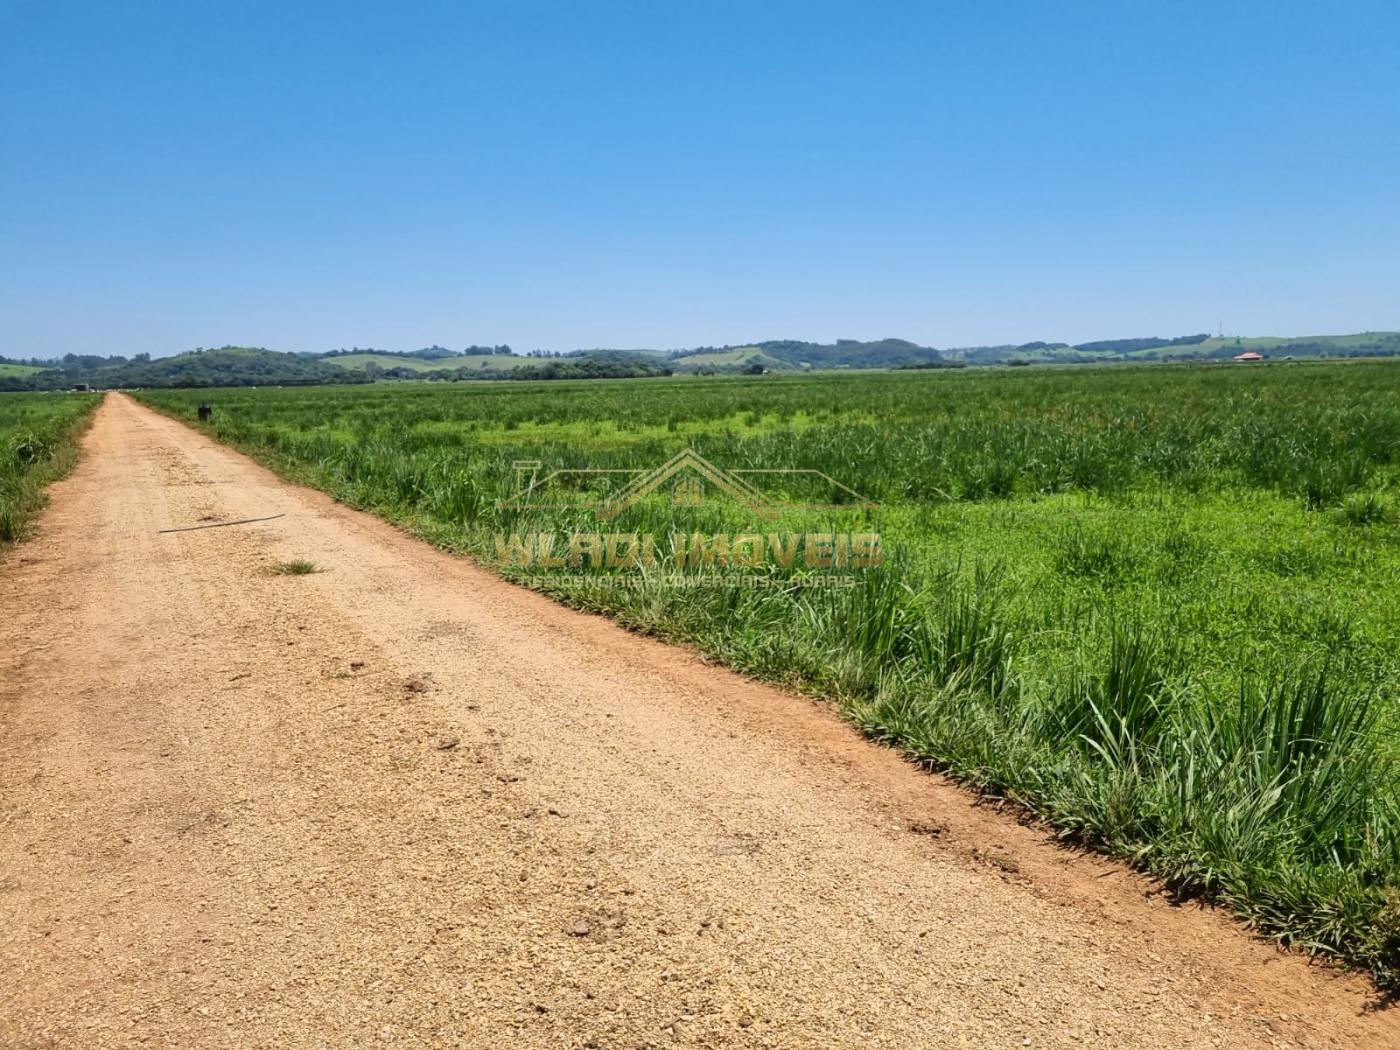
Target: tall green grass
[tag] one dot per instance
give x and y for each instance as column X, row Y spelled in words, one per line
column 1159, row 607
column 38, row 444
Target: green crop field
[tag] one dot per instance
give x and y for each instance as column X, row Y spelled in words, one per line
column 37, row 445
column 1158, row 606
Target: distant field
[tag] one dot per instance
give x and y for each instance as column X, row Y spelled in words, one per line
column 18, row 370
column 1159, row 606
column 359, row 361
column 742, row 355
column 1359, row 344
column 1306, row 346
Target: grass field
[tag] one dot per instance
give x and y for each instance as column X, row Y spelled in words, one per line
column 743, row 355
column 497, row 361
column 37, row 445
column 7, row 369
column 1157, row 606
column 1358, row 344
column 1277, row 346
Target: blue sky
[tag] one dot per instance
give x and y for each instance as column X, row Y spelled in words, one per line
column 561, row 175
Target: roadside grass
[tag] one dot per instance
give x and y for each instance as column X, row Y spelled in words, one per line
column 295, row 567
column 38, row 444
column 1366, row 508
column 1157, row 607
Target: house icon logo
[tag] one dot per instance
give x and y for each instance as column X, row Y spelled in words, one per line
column 690, row 478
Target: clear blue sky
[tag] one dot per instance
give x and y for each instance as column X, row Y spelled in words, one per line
column 306, row 175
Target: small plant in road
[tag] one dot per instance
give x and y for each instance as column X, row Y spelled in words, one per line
column 296, row 567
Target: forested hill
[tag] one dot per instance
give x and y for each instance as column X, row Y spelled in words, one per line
column 251, row 366
column 1200, row 347
column 792, row 354
column 228, row 366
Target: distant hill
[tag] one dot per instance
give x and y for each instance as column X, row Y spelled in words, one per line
column 498, row 363
column 795, row 355
column 1362, row 344
column 787, row 355
column 415, row 362
column 728, row 359
column 227, row 366
column 253, row 366
column 1185, row 348
column 1130, row 346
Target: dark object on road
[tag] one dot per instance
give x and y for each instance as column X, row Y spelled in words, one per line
column 223, row 524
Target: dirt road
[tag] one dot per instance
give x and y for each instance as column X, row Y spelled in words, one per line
column 400, row 803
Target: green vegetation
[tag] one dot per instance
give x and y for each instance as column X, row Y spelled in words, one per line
column 1363, row 344
column 1185, row 348
column 792, row 355
column 1156, row 606
column 727, row 360
column 584, row 364
column 250, row 366
column 13, row 370
column 385, row 362
column 295, row 567
column 789, row 355
column 227, row 366
column 38, row 444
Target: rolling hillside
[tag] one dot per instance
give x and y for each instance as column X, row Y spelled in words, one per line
column 1187, row 348
column 361, row 362
column 1362, row 344
column 252, row 366
column 227, row 366
column 738, row 357
column 797, row 355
